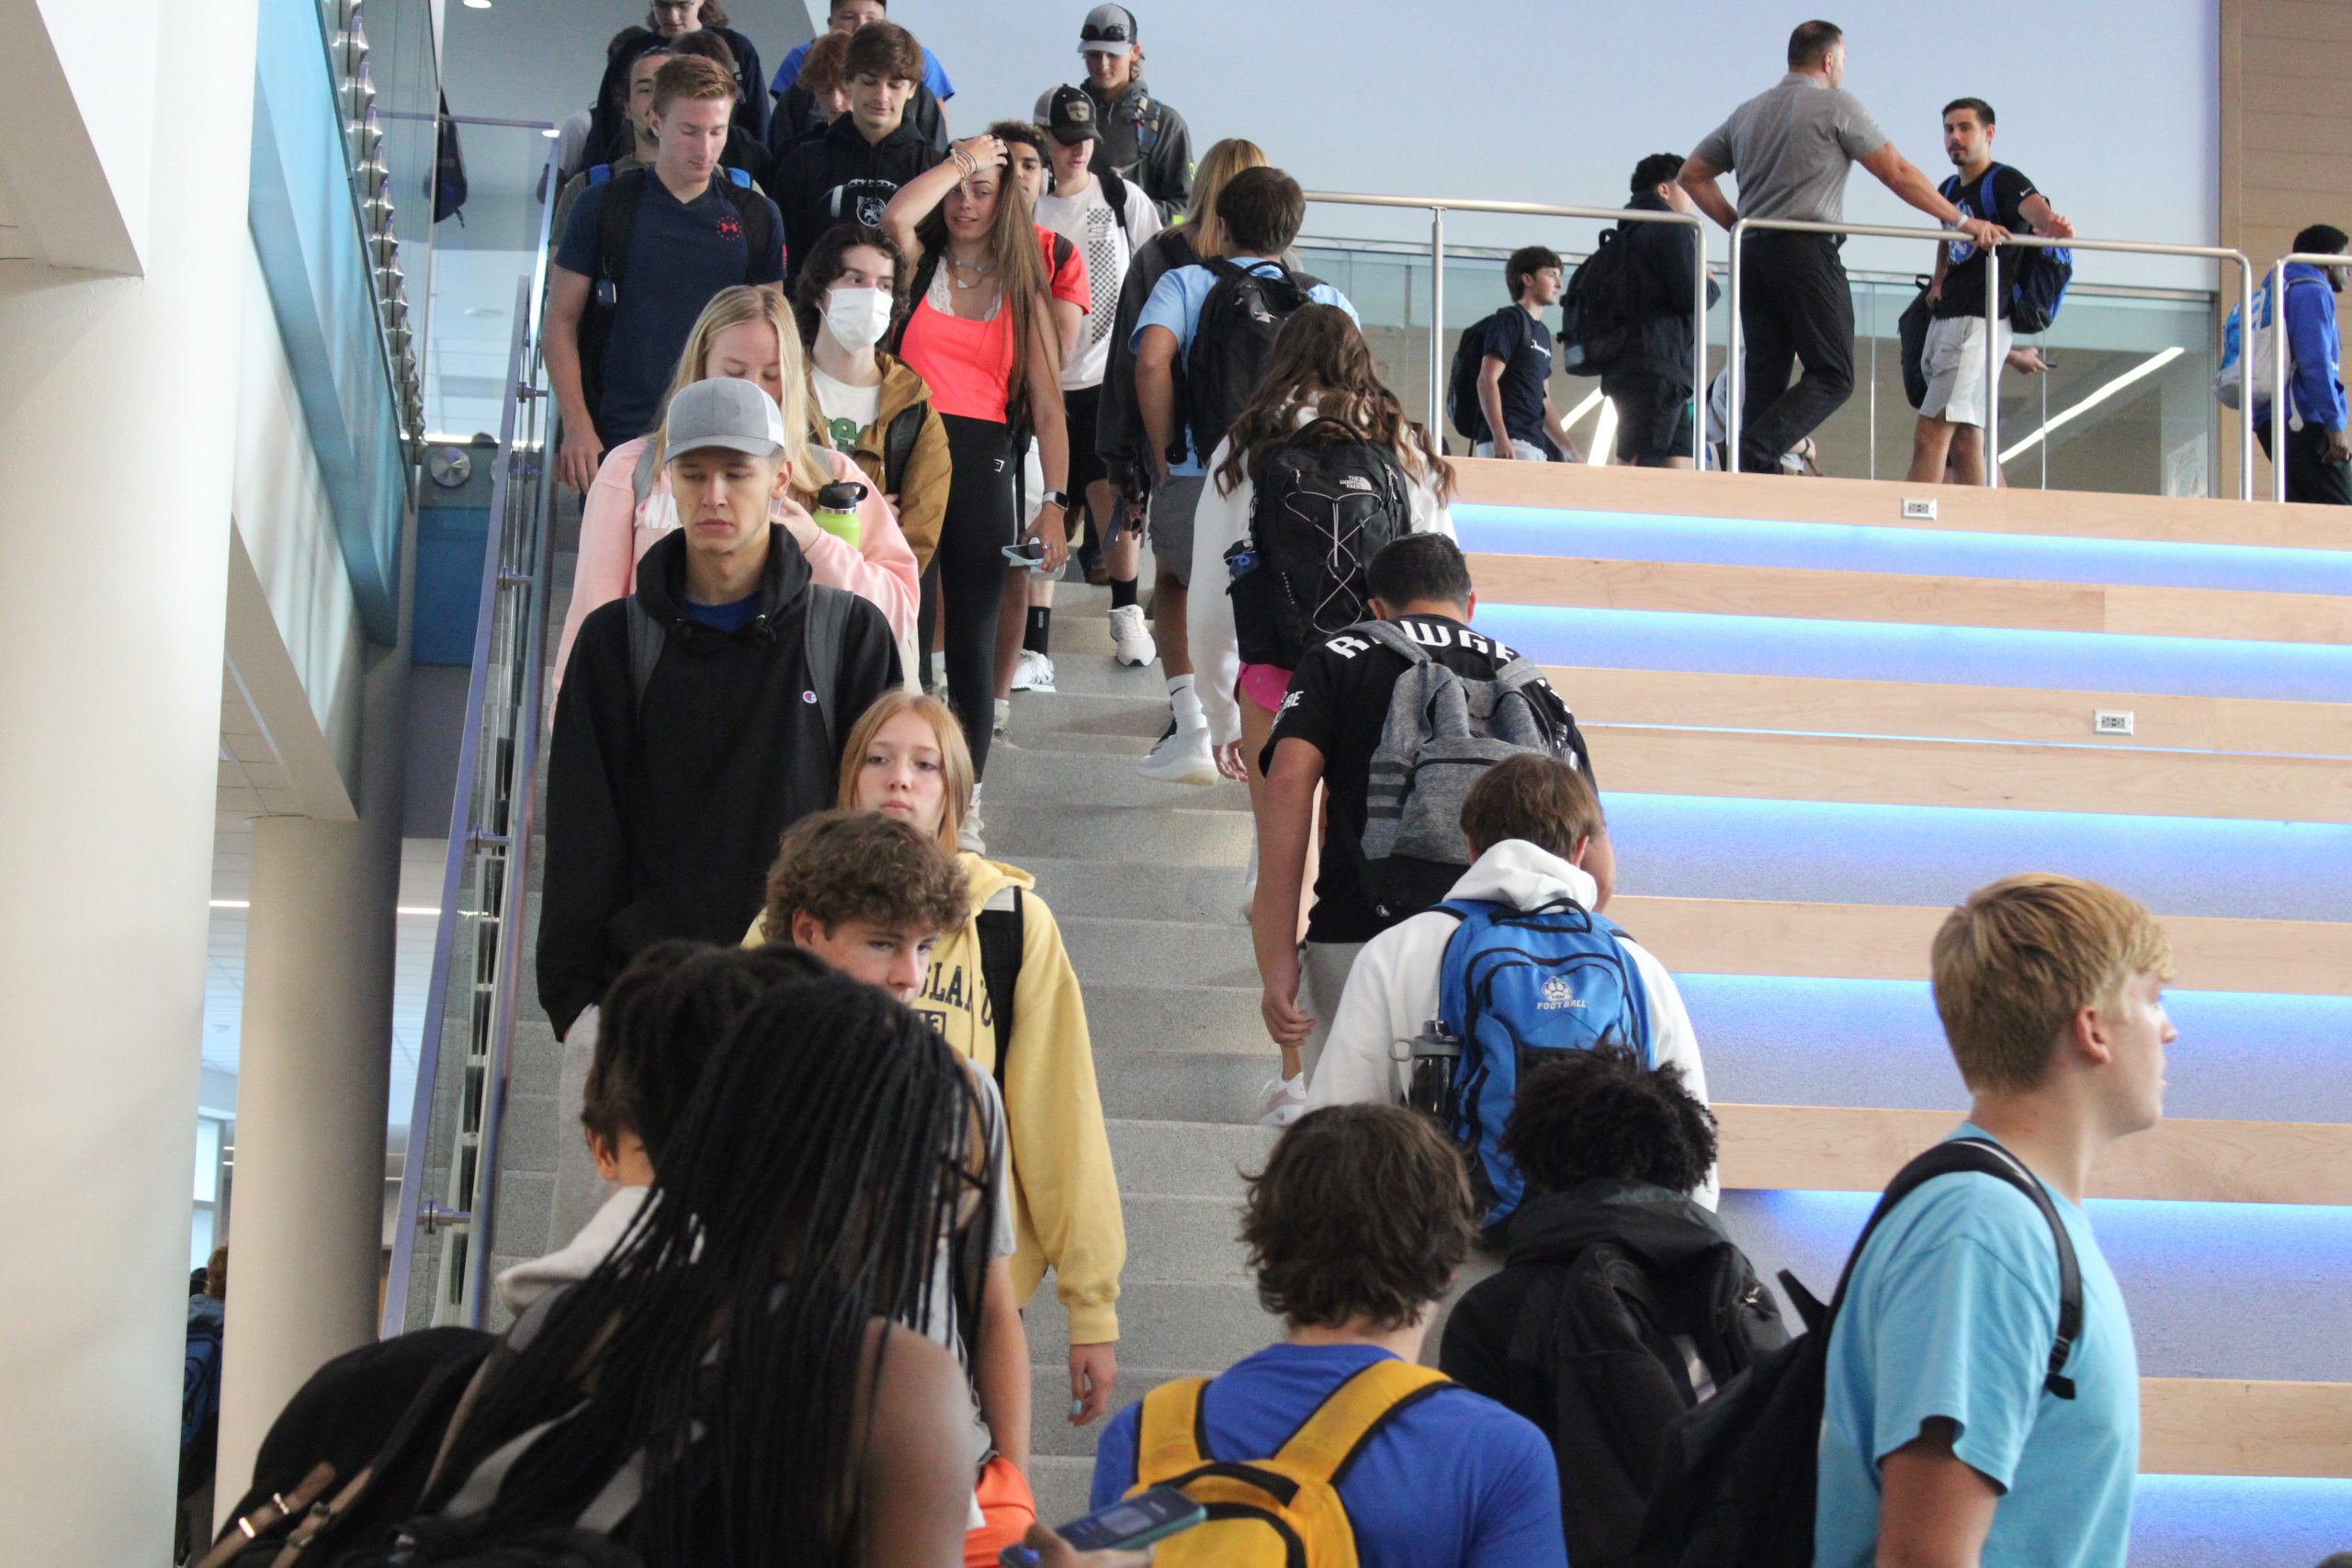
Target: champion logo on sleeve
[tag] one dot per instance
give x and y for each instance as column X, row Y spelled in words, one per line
column 809, row 697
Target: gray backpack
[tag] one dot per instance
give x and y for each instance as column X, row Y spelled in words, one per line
column 1444, row 730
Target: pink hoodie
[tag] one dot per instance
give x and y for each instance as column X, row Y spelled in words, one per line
column 614, row 536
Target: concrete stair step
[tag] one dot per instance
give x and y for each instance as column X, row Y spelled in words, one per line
column 1161, row 952
column 1127, row 1019
column 1185, row 1085
column 1172, row 1159
column 1178, row 834
column 1062, row 1485
column 1051, row 1437
column 1018, row 776
column 1184, row 1238
column 1203, row 894
column 1039, row 718
column 1167, row 1324
column 1084, row 675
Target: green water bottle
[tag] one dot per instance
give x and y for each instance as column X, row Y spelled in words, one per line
column 836, row 511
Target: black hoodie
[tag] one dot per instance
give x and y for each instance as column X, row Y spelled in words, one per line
column 841, row 177
column 1661, row 259
column 662, row 818
column 1564, row 1349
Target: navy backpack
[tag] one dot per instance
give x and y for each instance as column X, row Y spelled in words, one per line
column 2038, row 277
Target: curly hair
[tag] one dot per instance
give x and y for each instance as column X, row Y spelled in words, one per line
column 836, row 866
column 825, row 265
column 1601, row 1115
column 1361, row 1216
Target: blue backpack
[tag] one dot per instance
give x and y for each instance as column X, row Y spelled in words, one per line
column 2037, row 276
column 1517, row 984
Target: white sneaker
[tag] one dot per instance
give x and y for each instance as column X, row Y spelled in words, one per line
column 1282, row 1102
column 1003, row 715
column 1131, row 641
column 968, row 832
column 1033, row 671
column 1182, row 757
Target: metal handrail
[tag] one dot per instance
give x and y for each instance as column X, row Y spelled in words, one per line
column 1740, row 230
column 472, row 1184
column 1437, row 208
column 2278, row 287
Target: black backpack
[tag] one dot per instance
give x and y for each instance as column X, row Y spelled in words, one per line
column 1735, row 1486
column 1461, row 410
column 1911, row 336
column 1654, row 1313
column 616, row 220
column 1231, row 344
column 1597, row 313
column 1328, row 501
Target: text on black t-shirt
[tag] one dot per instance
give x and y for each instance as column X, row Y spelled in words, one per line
column 1963, row 293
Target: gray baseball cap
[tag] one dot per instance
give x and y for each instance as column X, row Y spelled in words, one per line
column 723, row 412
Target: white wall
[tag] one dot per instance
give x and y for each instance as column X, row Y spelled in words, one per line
column 1531, row 100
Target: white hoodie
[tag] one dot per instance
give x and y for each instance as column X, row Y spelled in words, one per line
column 526, row 1282
column 1393, row 989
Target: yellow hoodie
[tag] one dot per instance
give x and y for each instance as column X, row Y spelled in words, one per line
column 1065, row 1194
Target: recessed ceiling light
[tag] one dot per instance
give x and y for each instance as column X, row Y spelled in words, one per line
column 550, row 132
column 476, row 4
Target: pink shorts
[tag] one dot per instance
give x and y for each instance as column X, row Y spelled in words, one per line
column 1265, row 684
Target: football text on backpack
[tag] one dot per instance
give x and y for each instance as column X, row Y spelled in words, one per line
column 1442, row 731
column 2034, row 278
column 1461, row 408
column 1326, row 502
column 1597, row 312
column 616, row 221
column 824, row 623
column 1232, row 343
column 1646, row 1320
column 1516, row 985
column 1278, row 1512
column 2261, row 355
column 1736, row 1482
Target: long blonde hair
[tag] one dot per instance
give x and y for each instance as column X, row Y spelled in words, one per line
column 1217, row 166
column 812, row 466
column 954, row 756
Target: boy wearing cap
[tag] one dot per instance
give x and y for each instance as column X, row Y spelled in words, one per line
column 1106, row 219
column 1142, row 140
column 699, row 716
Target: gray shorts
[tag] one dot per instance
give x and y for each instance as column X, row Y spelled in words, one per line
column 1171, row 524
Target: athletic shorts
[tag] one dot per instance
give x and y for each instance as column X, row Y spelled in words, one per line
column 1264, row 684
column 1954, row 361
column 1081, row 407
column 1653, row 418
column 1171, row 524
column 1525, row 451
column 1006, row 1510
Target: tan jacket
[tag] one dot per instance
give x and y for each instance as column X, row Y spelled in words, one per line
column 922, row 488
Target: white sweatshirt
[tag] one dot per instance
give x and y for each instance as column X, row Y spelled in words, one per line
column 1393, row 989
column 1219, row 521
column 526, row 1282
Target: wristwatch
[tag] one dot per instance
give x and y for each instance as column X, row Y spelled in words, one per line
column 1054, row 498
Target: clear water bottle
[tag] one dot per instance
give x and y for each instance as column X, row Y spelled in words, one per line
column 836, row 510
column 1430, row 1059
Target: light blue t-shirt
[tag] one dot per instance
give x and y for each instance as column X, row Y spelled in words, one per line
column 1952, row 1311
column 1175, row 304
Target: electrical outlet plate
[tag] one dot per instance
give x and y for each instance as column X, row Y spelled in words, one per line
column 1918, row 511
column 2108, row 721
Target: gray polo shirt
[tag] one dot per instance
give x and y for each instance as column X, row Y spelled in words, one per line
column 1793, row 147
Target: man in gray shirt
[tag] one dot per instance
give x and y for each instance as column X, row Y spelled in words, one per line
column 1791, row 148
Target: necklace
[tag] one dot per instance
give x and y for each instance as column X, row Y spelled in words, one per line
column 981, row 267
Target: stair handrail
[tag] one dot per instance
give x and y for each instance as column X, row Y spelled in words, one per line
column 491, row 819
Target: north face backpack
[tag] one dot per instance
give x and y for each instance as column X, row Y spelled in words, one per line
column 1279, row 1512
column 1516, row 986
column 1616, row 1350
column 1326, row 502
column 616, row 221
column 1461, row 410
column 1231, row 344
column 1442, row 731
column 1736, row 1483
column 1597, row 316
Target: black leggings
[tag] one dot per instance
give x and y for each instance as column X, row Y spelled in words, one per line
column 969, row 567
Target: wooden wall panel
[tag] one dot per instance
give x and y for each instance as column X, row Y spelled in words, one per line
column 2226, row 1427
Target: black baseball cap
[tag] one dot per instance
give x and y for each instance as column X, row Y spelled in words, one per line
column 1070, row 119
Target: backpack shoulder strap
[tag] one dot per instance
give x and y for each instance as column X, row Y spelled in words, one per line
column 1986, row 1158
column 1168, row 1431
column 899, row 444
column 599, row 173
column 645, row 639
column 1002, row 921
column 822, row 629
column 1338, row 1430
column 739, row 178
column 1387, row 634
column 641, row 479
column 615, row 222
column 1115, row 194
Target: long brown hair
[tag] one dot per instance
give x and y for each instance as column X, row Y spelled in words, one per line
column 1024, row 290
column 1217, row 165
column 1321, row 362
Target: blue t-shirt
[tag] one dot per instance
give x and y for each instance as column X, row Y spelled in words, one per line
column 680, row 254
column 1175, row 304
column 933, row 76
column 730, row 618
column 1952, row 1310
column 1452, row 1480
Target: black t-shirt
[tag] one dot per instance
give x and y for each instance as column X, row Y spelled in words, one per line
column 1525, row 345
column 1339, row 704
column 1964, row 292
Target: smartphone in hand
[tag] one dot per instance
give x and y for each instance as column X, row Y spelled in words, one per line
column 1126, row 1526
column 1029, row 554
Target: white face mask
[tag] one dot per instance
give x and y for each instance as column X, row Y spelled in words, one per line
column 857, row 317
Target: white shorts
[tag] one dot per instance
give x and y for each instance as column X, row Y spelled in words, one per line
column 1954, row 361
column 1525, row 451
